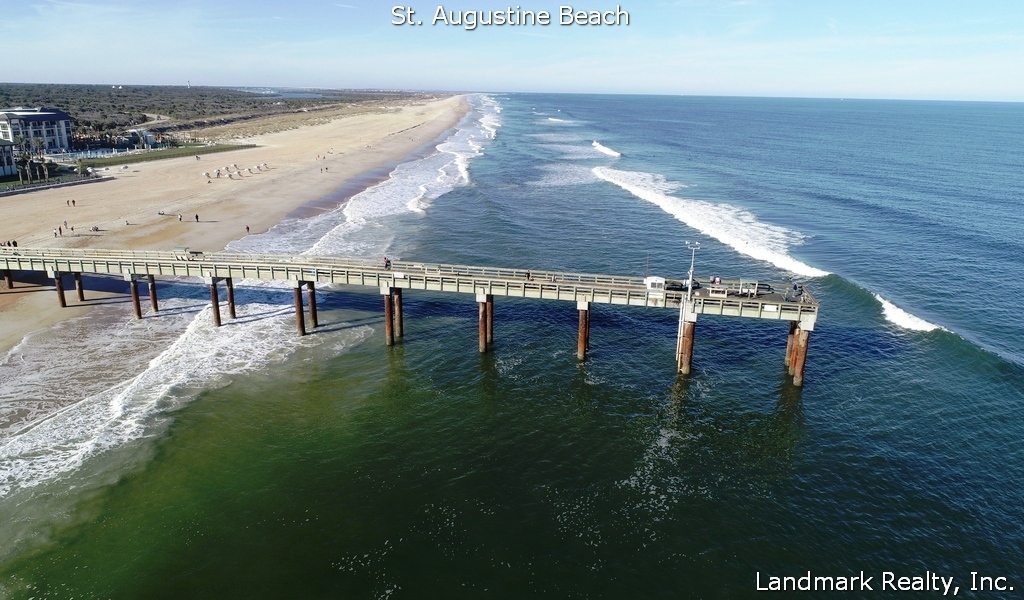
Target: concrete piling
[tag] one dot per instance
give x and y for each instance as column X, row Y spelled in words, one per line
column 230, row 287
column 583, row 332
column 482, row 324
column 686, row 347
column 799, row 356
column 59, row 285
column 793, row 327
column 300, row 320
column 389, row 324
column 396, row 300
column 79, row 290
column 311, row 293
column 133, row 285
column 152, row 293
column 214, row 301
column 489, row 302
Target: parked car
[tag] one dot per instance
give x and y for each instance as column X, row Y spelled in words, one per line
column 675, row 285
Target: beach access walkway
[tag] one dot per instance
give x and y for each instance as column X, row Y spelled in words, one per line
column 732, row 298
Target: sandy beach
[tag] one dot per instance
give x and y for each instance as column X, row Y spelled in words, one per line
column 303, row 164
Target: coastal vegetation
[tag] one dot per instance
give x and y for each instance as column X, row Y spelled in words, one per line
column 184, row 120
column 102, row 112
column 189, row 150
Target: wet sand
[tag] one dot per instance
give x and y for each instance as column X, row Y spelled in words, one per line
column 304, row 165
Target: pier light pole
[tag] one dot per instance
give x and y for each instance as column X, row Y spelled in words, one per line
column 684, row 339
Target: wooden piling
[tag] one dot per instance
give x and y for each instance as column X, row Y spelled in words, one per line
column 800, row 356
column 8, row 280
column 59, row 284
column 311, row 293
column 79, row 290
column 396, row 300
column 230, row 286
column 152, row 293
column 793, row 326
column 389, row 323
column 300, row 320
column 686, row 347
column 133, row 285
column 490, row 319
column 215, row 302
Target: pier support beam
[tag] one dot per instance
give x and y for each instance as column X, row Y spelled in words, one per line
column 78, row 287
column 58, row 284
column 485, row 320
column 389, row 322
column 133, row 287
column 791, row 349
column 214, row 300
column 490, row 319
column 8, row 280
column 396, row 304
column 482, row 321
column 583, row 333
column 152, row 293
column 799, row 356
column 311, row 293
column 133, row 284
column 794, row 326
column 230, row 287
column 300, row 317
column 685, row 357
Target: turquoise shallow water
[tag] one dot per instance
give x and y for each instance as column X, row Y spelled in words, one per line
column 336, row 467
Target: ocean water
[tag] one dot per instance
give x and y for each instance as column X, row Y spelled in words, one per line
column 165, row 458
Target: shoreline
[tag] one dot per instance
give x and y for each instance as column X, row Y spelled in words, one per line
column 126, row 209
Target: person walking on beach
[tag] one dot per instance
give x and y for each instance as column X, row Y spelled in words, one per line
column 72, row 203
column 54, row 233
column 179, row 217
column 246, row 230
column 197, row 218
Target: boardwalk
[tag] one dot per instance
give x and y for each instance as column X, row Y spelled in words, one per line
column 736, row 298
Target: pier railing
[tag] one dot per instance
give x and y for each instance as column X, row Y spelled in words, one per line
column 737, row 299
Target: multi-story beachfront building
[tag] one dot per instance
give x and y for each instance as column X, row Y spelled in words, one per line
column 23, row 125
column 7, row 165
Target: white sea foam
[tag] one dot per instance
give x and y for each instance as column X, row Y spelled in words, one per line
column 64, row 400
column 901, row 318
column 571, row 151
column 730, row 225
column 411, row 187
column 557, row 138
column 606, row 149
column 565, row 174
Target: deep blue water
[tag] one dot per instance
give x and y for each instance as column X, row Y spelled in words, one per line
column 337, row 467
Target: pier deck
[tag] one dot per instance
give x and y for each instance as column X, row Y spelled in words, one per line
column 737, row 298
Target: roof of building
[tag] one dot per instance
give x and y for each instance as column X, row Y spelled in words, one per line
column 35, row 114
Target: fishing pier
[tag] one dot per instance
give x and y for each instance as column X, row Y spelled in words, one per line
column 726, row 298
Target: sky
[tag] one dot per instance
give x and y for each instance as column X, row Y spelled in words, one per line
column 907, row 49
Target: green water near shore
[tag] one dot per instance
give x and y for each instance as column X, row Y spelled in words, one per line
column 424, row 468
